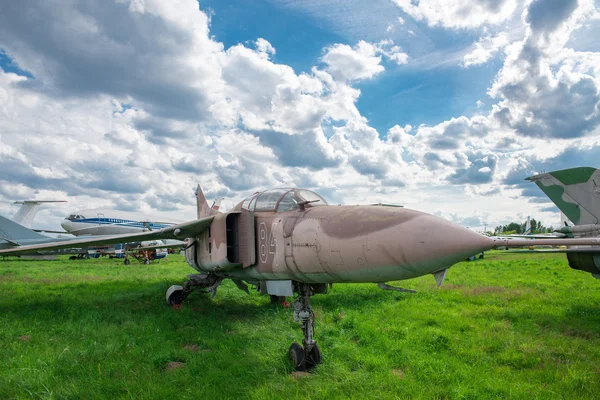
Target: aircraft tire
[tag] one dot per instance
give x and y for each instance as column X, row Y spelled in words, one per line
column 313, row 358
column 147, row 262
column 175, row 295
column 297, row 357
column 127, row 262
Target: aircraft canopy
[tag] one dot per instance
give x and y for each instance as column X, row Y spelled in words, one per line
column 282, row 199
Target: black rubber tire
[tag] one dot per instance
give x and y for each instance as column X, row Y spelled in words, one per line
column 297, row 357
column 313, row 358
column 73, row 258
column 147, row 262
column 277, row 300
column 176, row 298
column 127, row 262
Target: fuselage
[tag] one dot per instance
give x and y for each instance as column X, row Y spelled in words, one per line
column 322, row 243
column 111, row 222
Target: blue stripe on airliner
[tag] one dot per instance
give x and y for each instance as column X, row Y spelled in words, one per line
column 121, row 222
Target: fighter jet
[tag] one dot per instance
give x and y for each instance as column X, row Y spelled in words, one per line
column 290, row 241
column 576, row 192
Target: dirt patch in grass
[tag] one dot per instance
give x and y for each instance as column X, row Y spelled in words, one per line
column 579, row 334
column 175, row 365
column 398, row 373
column 299, row 374
column 477, row 291
column 25, row 338
column 191, row 347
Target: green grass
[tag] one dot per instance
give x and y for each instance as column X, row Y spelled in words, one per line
column 510, row 326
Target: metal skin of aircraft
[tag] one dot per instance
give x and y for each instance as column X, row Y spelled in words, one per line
column 576, row 192
column 29, row 208
column 289, row 241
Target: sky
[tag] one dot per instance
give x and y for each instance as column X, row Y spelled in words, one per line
column 440, row 106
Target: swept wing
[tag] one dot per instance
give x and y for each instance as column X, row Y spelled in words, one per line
column 180, row 231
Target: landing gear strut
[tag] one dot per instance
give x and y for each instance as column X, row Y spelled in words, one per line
column 176, row 294
column 308, row 355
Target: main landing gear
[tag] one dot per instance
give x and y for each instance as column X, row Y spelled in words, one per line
column 176, row 294
column 308, row 355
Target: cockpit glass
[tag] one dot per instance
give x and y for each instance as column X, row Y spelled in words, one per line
column 267, row 201
column 311, row 196
column 288, row 202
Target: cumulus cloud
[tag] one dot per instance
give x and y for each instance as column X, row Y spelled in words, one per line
column 484, row 49
column 134, row 115
column 457, row 13
column 363, row 61
column 543, row 93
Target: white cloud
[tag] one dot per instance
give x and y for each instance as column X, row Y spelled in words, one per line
column 363, row 61
column 484, row 49
column 347, row 63
column 458, row 13
column 545, row 89
column 264, row 48
column 121, row 123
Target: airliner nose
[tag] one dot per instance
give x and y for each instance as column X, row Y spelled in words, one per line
column 66, row 224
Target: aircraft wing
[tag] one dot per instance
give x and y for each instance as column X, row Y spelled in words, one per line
column 180, row 231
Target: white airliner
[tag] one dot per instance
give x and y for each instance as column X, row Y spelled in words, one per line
column 113, row 222
column 109, row 222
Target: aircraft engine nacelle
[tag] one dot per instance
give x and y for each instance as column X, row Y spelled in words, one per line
column 191, row 254
column 580, row 229
column 589, row 262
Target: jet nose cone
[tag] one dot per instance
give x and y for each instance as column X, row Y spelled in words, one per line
column 424, row 244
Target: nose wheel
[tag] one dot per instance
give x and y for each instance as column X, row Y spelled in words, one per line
column 308, row 355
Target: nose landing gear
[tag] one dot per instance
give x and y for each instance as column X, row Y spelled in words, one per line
column 308, row 355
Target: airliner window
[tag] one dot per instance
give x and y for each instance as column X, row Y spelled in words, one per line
column 288, row 202
column 267, row 201
column 311, row 196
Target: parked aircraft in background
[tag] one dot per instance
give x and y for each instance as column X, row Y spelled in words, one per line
column 29, row 208
column 576, row 192
column 287, row 241
column 114, row 222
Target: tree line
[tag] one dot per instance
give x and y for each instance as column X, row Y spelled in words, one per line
column 515, row 227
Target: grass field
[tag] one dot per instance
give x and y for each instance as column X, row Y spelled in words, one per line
column 509, row 326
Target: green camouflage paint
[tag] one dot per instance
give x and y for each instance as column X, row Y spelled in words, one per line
column 573, row 176
column 569, row 208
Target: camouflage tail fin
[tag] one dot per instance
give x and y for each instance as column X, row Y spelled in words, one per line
column 12, row 232
column 204, row 210
column 575, row 191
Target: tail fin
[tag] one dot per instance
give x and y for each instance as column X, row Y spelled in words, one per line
column 527, row 226
column 204, row 210
column 575, row 191
column 29, row 208
column 13, row 233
